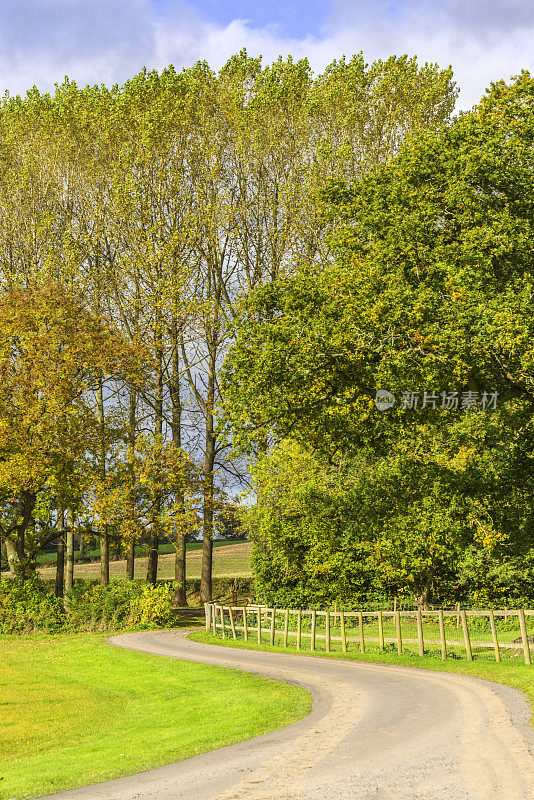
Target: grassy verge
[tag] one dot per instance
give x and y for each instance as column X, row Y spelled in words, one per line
column 75, row 711
column 516, row 674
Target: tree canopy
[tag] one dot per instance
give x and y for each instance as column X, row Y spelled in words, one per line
column 429, row 289
column 164, row 201
column 52, row 350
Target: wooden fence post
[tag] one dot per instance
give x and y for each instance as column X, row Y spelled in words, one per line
column 211, row 610
column 457, row 615
column 420, row 640
column 399, row 635
column 465, row 629
column 362, row 637
column 343, row 637
column 381, row 642
column 524, row 637
column 232, row 623
column 494, row 636
column 442, row 634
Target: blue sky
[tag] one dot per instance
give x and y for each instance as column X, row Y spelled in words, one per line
column 107, row 41
column 293, row 19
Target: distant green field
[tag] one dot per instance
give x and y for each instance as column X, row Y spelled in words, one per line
column 230, row 559
column 140, row 551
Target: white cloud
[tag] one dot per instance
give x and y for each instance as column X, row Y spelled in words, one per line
column 96, row 41
column 92, row 41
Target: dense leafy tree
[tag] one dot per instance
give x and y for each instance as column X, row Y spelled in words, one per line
column 51, row 351
column 165, row 200
column 430, row 290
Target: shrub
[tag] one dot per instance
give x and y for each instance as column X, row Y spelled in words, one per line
column 32, row 606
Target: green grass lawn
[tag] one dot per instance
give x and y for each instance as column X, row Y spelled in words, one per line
column 74, row 711
column 513, row 673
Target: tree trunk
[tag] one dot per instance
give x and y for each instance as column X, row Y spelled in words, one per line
column 69, row 574
column 104, row 537
column 132, row 433
column 180, row 595
column 104, row 556
column 207, row 509
column 152, row 570
column 12, row 558
column 153, row 544
column 423, row 593
column 130, row 561
column 60, row 559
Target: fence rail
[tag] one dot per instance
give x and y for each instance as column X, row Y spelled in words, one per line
column 495, row 634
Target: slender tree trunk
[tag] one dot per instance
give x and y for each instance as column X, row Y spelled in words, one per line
column 69, row 574
column 130, row 561
column 104, row 537
column 132, row 433
column 60, row 559
column 26, row 561
column 180, row 595
column 207, row 510
column 152, row 570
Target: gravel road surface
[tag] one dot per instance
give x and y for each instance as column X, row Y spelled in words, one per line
column 376, row 732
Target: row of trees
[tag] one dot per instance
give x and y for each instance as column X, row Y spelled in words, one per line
column 155, row 207
column 430, row 290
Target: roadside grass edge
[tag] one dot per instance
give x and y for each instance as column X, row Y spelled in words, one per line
column 518, row 676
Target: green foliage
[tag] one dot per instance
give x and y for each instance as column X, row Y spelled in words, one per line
column 369, row 530
column 29, row 606
column 302, row 550
column 429, row 290
column 152, row 608
column 32, row 607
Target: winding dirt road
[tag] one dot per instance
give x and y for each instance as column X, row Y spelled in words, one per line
column 376, row 732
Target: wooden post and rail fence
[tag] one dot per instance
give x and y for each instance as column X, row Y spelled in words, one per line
column 481, row 631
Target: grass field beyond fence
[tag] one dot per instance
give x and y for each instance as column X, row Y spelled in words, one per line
column 497, row 635
column 230, row 559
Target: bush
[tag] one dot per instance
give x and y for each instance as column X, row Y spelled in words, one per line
column 28, row 607
column 33, row 607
